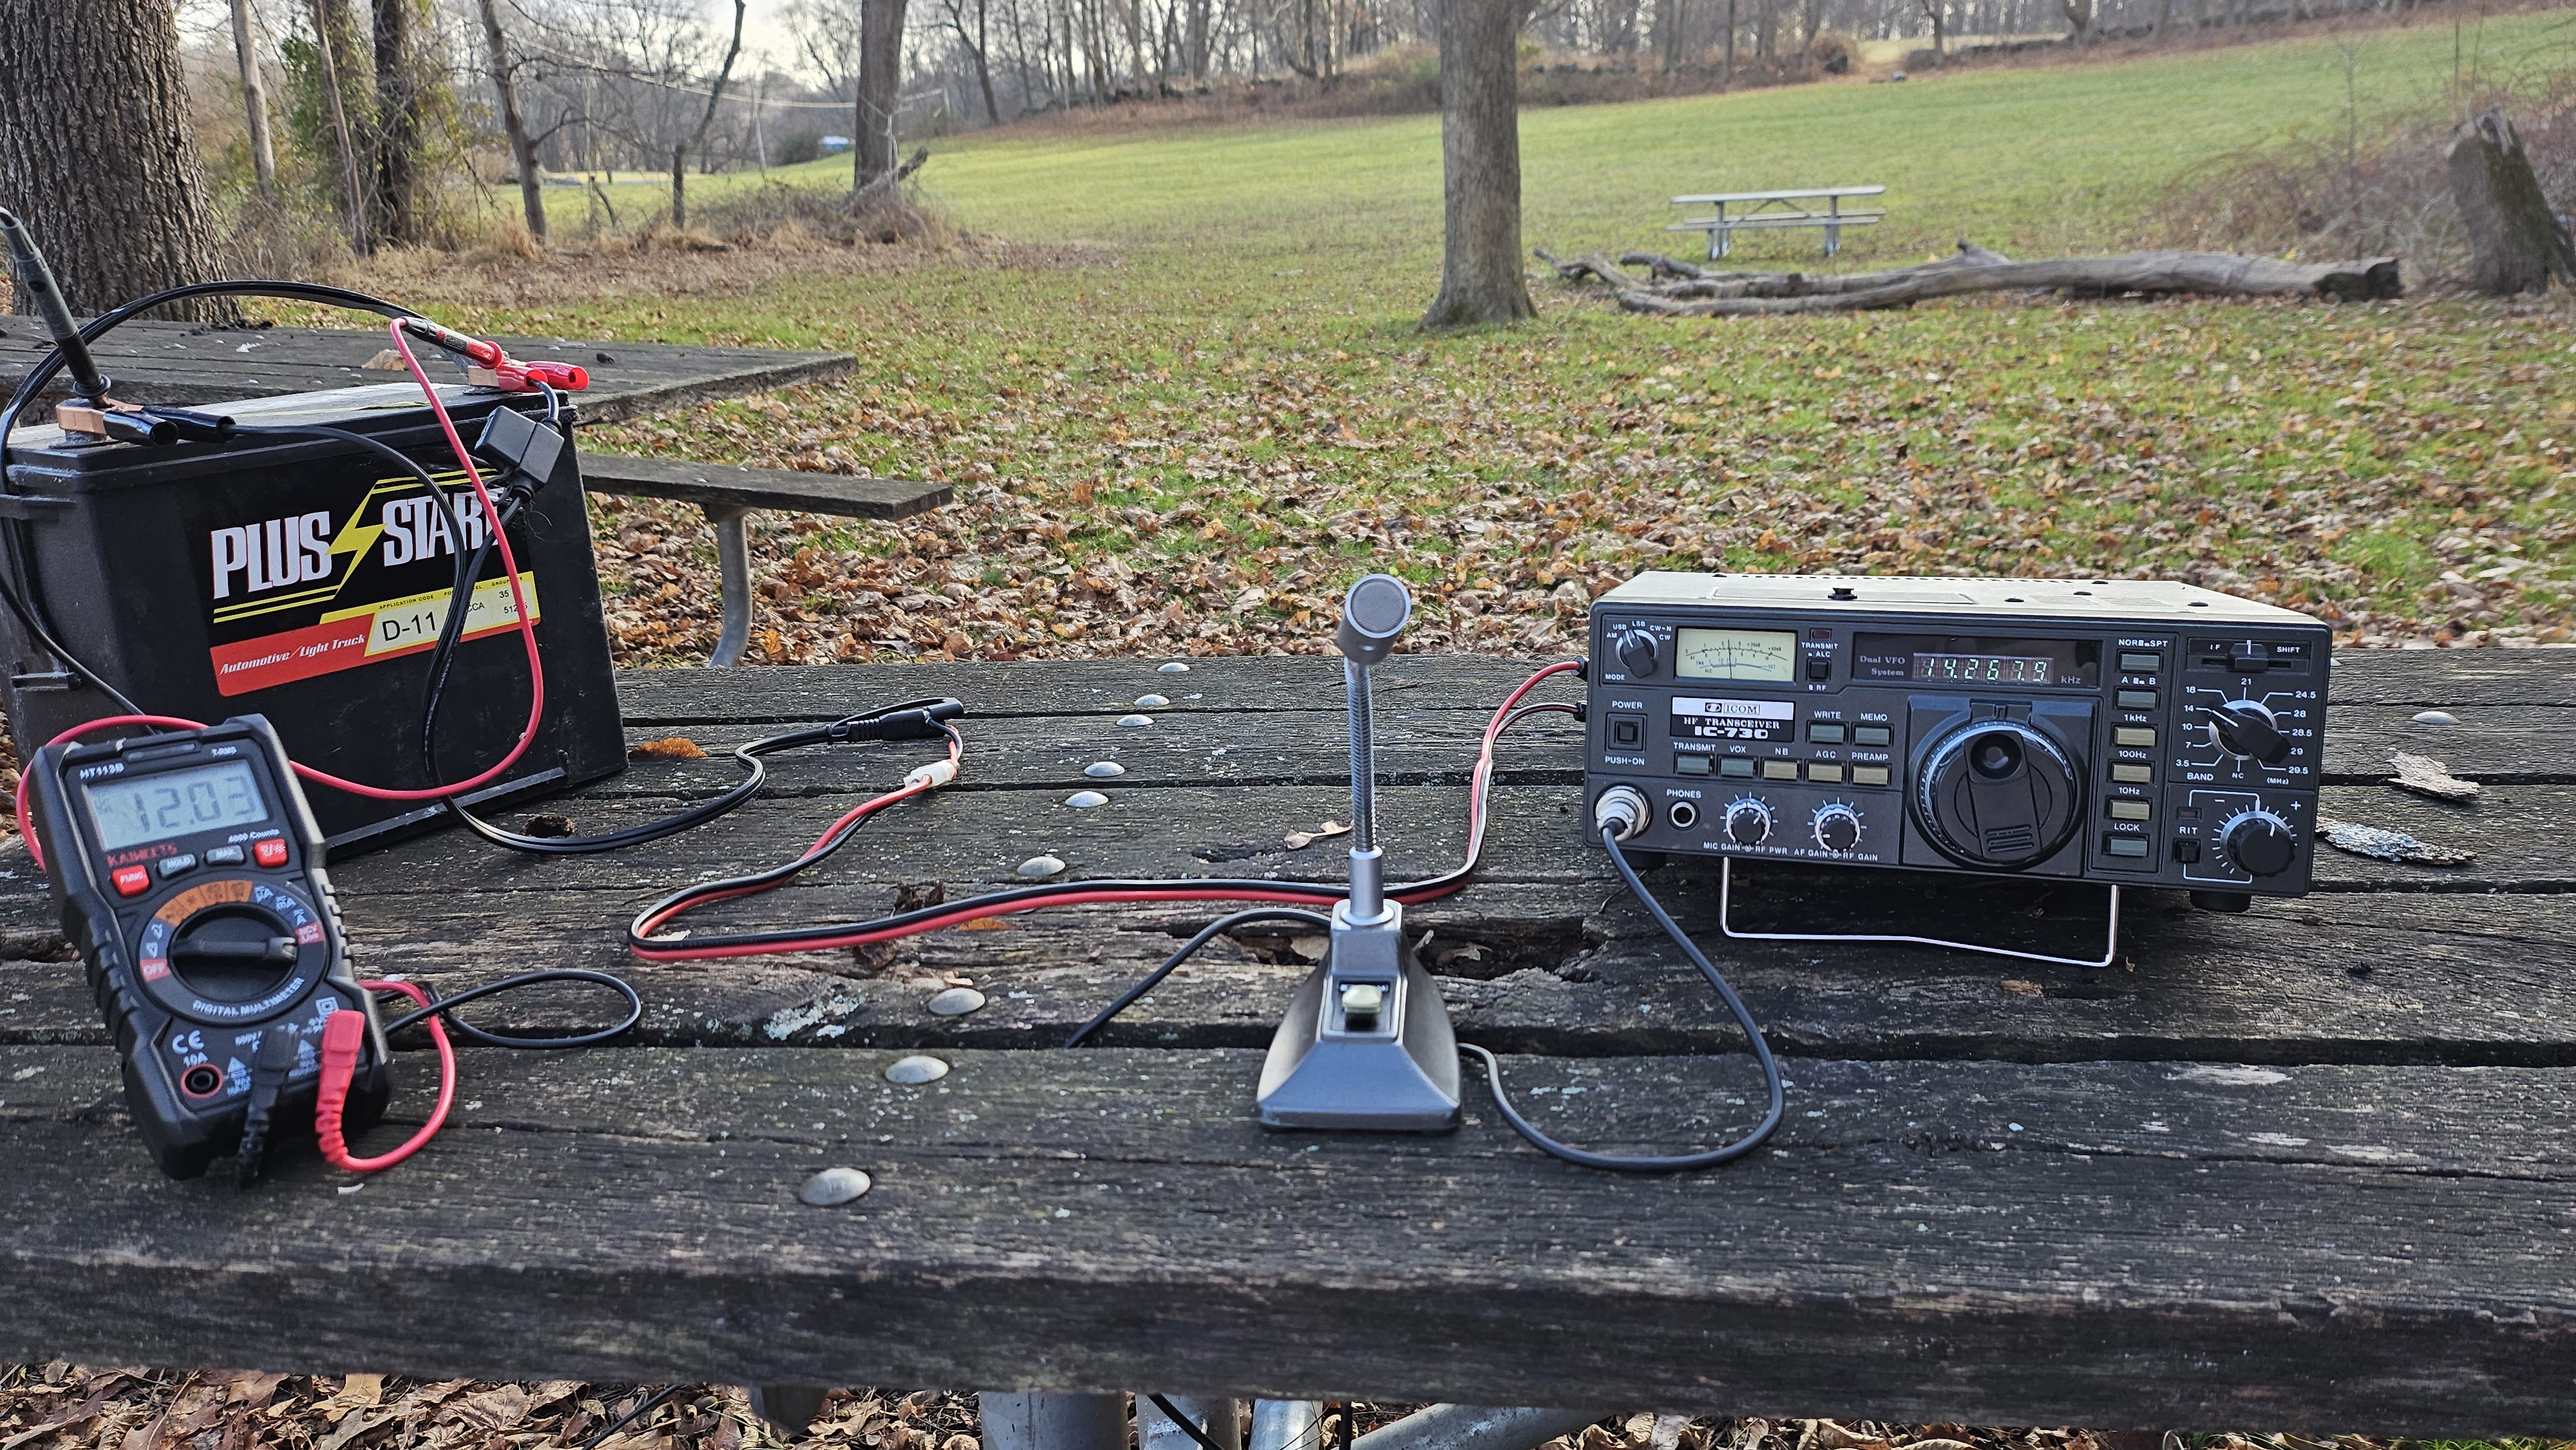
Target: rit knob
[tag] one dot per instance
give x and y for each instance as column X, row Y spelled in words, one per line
column 1837, row 827
column 1636, row 650
column 2260, row 843
column 2248, row 731
column 1748, row 823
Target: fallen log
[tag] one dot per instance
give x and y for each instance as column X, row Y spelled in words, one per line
column 2218, row 274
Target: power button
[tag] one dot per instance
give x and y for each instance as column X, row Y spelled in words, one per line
column 133, row 881
column 271, row 852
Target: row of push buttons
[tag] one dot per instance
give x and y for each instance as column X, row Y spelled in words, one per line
column 1745, row 767
column 1830, row 732
column 135, row 880
column 2115, row 844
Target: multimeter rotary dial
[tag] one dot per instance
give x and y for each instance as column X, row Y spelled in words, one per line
column 1997, row 793
column 231, row 949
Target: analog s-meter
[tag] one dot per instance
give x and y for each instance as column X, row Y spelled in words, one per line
column 1760, row 656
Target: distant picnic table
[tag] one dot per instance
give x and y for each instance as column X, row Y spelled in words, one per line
column 1770, row 210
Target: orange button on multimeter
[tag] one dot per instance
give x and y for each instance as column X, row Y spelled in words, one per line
column 134, row 880
column 271, row 852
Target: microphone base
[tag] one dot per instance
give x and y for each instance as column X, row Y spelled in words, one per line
column 1366, row 1045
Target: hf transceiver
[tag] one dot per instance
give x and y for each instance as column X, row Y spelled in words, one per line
column 2127, row 733
column 189, row 873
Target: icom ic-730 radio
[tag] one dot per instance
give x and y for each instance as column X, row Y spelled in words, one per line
column 2127, row 733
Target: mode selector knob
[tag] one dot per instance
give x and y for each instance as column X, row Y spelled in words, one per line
column 1748, row 822
column 2260, row 843
column 1836, row 827
column 1636, row 649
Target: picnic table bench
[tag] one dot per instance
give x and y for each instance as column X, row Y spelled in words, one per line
column 2309, row 1167
column 189, row 364
column 1768, row 210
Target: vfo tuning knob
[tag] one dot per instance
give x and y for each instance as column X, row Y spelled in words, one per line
column 1748, row 822
column 2248, row 730
column 1636, row 650
column 1836, row 826
column 2259, row 843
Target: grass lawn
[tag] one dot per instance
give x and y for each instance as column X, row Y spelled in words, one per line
column 1190, row 401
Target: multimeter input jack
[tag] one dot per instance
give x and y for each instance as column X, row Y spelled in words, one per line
column 1682, row 814
column 201, row 1081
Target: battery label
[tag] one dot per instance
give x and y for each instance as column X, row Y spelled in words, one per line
column 346, row 575
column 348, row 638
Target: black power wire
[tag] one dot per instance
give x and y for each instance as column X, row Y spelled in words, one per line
column 1209, row 933
column 631, row 1416
column 1172, row 1412
column 446, row 1007
column 1655, row 1163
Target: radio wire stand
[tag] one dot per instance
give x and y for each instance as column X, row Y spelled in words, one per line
column 1726, row 923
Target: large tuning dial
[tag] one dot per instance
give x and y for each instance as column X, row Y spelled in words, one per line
column 2259, row 843
column 1636, row 650
column 1748, row 822
column 2248, row 730
column 1997, row 793
column 1836, row 827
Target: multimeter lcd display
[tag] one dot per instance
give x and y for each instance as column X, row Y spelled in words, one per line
column 1758, row 656
column 131, row 811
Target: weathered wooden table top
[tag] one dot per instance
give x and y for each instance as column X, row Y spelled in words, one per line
column 2310, row 1167
column 184, row 364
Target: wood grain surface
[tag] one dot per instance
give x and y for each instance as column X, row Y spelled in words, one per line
column 2306, row 1168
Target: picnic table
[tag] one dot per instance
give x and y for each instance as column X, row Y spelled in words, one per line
column 2309, row 1167
column 192, row 364
column 1769, row 210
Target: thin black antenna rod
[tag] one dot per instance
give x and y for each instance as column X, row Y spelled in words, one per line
column 38, row 280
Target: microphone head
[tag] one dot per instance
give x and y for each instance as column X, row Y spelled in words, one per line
column 1374, row 612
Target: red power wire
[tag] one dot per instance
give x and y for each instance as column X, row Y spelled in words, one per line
column 342, row 1035
column 675, row 950
column 518, row 599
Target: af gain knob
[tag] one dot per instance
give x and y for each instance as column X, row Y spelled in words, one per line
column 1748, row 822
column 1836, row 827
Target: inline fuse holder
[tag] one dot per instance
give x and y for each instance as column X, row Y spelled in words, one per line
column 1366, row 1043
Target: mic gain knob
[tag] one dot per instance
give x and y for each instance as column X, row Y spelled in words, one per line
column 1836, row 827
column 1748, row 822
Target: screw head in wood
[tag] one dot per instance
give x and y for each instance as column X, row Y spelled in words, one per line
column 1174, row 667
column 915, row 1070
column 1151, row 702
column 833, row 1187
column 1134, row 722
column 1083, row 800
column 2435, row 717
column 956, row 1002
column 1039, row 868
column 1104, row 770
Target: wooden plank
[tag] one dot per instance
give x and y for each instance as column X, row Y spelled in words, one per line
column 1570, row 971
column 2105, row 1244
column 766, row 488
column 1711, row 198
column 189, row 364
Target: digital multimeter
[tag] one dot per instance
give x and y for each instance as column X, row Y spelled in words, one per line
column 188, row 868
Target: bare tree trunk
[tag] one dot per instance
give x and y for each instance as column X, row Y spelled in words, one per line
column 96, row 152
column 707, row 118
column 1194, row 39
column 2517, row 244
column 398, row 98
column 872, row 144
column 523, row 152
column 1480, row 158
column 263, row 152
column 329, row 45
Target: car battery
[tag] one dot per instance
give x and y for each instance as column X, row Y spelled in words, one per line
column 307, row 579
